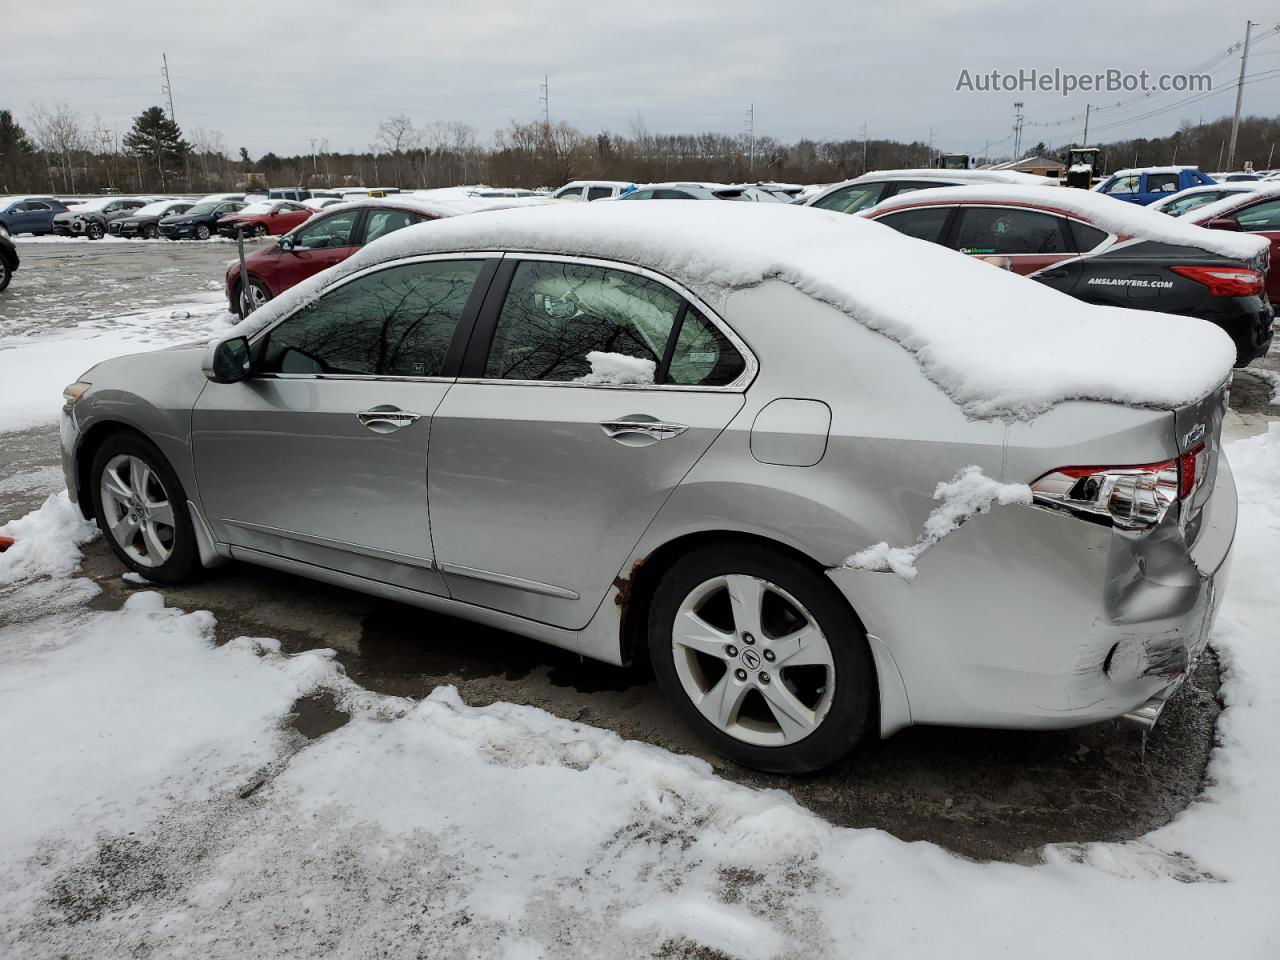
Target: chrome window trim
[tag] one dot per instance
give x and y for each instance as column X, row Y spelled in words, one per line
column 738, row 385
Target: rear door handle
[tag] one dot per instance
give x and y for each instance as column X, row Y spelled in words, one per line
column 386, row 418
column 636, row 426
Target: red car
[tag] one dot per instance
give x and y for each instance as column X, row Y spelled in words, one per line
column 268, row 218
column 336, row 233
column 1257, row 211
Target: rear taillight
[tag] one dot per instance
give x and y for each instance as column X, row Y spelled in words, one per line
column 1225, row 281
column 1132, row 498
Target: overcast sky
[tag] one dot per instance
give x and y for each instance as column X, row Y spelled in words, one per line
column 272, row 76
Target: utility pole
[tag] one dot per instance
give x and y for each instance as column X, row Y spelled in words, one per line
column 313, row 156
column 1235, row 121
column 167, row 89
column 1087, row 107
column 545, row 100
column 105, row 137
column 864, row 147
column 930, row 163
column 1017, row 131
column 751, row 139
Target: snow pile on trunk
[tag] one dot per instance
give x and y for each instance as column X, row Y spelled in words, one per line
column 1104, row 212
column 156, row 804
column 962, row 321
column 968, row 494
column 617, row 368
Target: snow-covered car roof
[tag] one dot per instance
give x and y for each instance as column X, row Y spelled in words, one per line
column 99, row 203
column 1173, row 198
column 156, row 207
column 1238, row 198
column 437, row 208
column 1114, row 216
column 1134, row 171
column 960, row 326
column 959, row 176
column 597, row 183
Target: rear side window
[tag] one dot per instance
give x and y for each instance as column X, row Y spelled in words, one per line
column 1087, row 237
column 334, row 231
column 910, row 186
column 396, row 322
column 671, row 195
column 1264, row 216
column 574, row 323
column 926, row 223
column 381, row 222
column 599, row 193
column 1178, row 207
column 851, row 199
column 1002, row 230
column 1162, row 183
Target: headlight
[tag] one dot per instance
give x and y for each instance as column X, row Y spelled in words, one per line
column 183, row 223
column 72, row 393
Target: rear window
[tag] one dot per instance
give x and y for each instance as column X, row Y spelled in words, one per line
column 851, row 199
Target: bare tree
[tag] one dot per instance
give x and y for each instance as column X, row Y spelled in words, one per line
column 397, row 135
column 59, row 133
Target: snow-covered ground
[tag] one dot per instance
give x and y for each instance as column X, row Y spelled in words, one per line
column 156, row 803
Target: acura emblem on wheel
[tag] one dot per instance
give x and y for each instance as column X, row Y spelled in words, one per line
column 750, row 659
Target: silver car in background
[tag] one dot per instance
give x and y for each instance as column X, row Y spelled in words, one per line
column 533, row 420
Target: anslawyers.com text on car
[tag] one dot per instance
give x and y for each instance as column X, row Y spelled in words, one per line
column 1065, row 82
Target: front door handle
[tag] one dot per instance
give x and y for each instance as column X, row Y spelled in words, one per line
column 642, row 428
column 386, row 418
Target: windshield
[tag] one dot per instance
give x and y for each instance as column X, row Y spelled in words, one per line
column 203, row 207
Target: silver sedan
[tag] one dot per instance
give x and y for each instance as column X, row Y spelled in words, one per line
column 536, row 425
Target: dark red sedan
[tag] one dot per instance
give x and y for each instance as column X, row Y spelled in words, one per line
column 336, row 233
column 268, row 218
column 1256, row 212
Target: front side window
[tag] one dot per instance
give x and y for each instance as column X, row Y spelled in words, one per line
column 1125, row 185
column 569, row 193
column 1264, row 216
column 574, row 323
column 334, row 231
column 1001, row 230
column 926, row 223
column 396, row 322
column 851, row 199
column 381, row 222
column 638, row 195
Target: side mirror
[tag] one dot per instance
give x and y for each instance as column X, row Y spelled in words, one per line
column 1223, row 223
column 228, row 361
column 285, row 243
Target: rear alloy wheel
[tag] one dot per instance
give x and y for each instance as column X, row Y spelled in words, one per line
column 142, row 509
column 5, row 273
column 95, row 231
column 762, row 657
column 150, row 232
column 260, row 230
column 202, row 231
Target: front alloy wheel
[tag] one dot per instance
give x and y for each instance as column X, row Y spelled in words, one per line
column 202, row 231
column 142, row 510
column 260, row 230
column 762, row 656
column 95, row 231
column 137, row 510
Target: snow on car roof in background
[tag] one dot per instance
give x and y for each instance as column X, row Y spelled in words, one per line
column 961, row 326
column 960, row 176
column 1114, row 216
column 1260, row 191
column 1134, row 171
column 450, row 206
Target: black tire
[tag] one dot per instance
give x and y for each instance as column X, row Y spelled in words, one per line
column 95, row 231
column 183, row 563
column 150, row 232
column 202, row 231
column 847, row 718
column 260, row 230
column 6, row 274
column 238, row 306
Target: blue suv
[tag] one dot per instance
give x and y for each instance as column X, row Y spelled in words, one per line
column 1149, row 184
column 29, row 214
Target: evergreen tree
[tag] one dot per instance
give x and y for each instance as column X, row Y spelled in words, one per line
column 156, row 139
column 16, row 151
